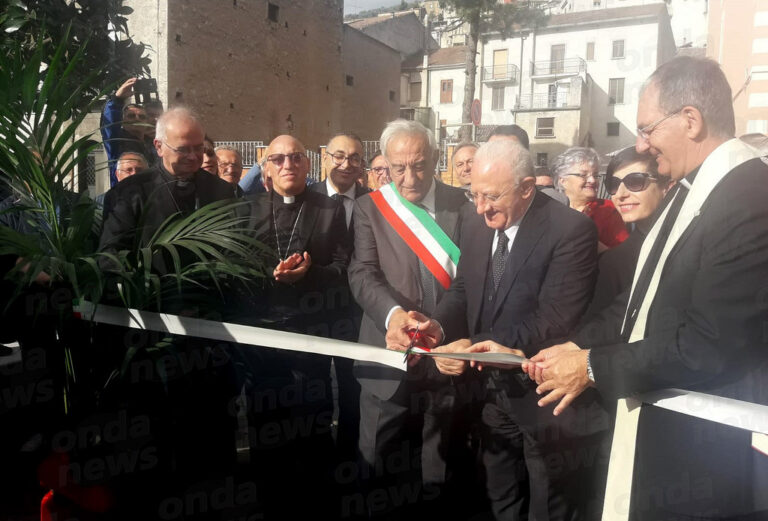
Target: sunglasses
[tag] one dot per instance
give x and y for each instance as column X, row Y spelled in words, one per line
column 635, row 182
column 279, row 159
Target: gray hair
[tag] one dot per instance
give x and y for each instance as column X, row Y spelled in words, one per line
column 570, row 158
column 466, row 144
column 230, row 148
column 696, row 82
column 408, row 127
column 171, row 114
column 516, row 157
column 132, row 156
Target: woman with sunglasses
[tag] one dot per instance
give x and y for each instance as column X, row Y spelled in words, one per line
column 637, row 190
column 576, row 173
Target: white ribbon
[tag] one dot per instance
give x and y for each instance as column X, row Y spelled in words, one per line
column 239, row 333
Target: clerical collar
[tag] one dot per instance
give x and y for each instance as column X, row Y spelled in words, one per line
column 288, row 199
column 181, row 182
column 332, row 190
column 687, row 181
column 428, row 201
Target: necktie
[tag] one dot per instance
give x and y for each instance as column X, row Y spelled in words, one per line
column 499, row 259
column 337, row 197
column 644, row 280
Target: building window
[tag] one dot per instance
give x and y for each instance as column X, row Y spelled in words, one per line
column 759, row 45
column 541, row 159
column 758, row 99
column 545, row 127
column 618, row 49
column 497, row 98
column 350, row 80
column 757, row 125
column 446, row 91
column 414, row 91
column 595, row 3
column 391, row 95
column 590, row 51
column 613, row 128
column 761, row 18
column 615, row 91
column 273, row 11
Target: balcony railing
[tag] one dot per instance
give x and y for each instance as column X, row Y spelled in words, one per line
column 567, row 67
column 507, row 73
column 546, row 101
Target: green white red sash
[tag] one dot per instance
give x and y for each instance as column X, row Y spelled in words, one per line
column 420, row 232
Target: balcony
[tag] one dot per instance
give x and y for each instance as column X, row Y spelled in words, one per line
column 561, row 100
column 559, row 68
column 507, row 73
column 423, row 115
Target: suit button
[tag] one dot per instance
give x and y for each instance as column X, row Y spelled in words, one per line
column 490, row 298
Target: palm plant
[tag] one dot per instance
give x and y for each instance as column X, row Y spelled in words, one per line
column 53, row 232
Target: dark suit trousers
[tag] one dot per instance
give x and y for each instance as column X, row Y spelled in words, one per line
column 404, row 445
column 541, row 470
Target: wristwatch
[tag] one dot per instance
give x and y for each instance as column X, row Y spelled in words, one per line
column 590, row 374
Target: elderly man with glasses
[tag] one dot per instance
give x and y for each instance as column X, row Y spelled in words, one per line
column 694, row 317
column 177, row 184
column 526, row 274
column 406, row 247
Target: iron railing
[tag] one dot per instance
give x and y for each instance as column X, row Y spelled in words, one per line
column 565, row 67
column 509, row 73
column 546, row 101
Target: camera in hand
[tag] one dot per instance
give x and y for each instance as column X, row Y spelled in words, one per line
column 144, row 90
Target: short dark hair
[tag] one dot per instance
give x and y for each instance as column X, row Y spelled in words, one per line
column 375, row 154
column 512, row 130
column 630, row 155
column 700, row 83
column 350, row 135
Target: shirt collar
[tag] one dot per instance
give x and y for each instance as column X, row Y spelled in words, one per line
column 515, row 225
column 332, row 190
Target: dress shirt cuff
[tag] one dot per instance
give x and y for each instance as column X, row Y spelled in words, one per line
column 389, row 315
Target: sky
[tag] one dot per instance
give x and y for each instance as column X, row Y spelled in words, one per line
column 354, row 6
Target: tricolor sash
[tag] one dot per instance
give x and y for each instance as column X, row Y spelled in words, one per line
column 420, row 232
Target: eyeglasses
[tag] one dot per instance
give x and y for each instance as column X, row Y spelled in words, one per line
column 461, row 164
column 224, row 166
column 184, row 151
column 378, row 170
column 279, row 159
column 645, row 132
column 132, row 116
column 580, row 174
column 488, row 198
column 339, row 158
column 635, row 182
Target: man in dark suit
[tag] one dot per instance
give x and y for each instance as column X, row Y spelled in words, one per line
column 696, row 317
column 307, row 231
column 525, row 277
column 404, row 421
column 142, row 202
column 344, row 163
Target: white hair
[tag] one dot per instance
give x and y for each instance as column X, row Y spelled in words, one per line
column 173, row 114
column 404, row 126
column 511, row 153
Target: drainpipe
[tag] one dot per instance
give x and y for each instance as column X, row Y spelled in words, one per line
column 520, row 79
column 533, row 58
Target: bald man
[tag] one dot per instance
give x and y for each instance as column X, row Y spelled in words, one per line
column 176, row 185
column 307, row 231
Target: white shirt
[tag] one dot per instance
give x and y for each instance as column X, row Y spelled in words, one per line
column 347, row 198
column 510, row 232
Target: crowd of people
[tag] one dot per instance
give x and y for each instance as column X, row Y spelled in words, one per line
column 660, row 286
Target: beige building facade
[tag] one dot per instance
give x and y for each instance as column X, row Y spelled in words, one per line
column 738, row 41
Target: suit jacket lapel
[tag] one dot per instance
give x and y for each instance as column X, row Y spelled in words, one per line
column 480, row 253
column 527, row 237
